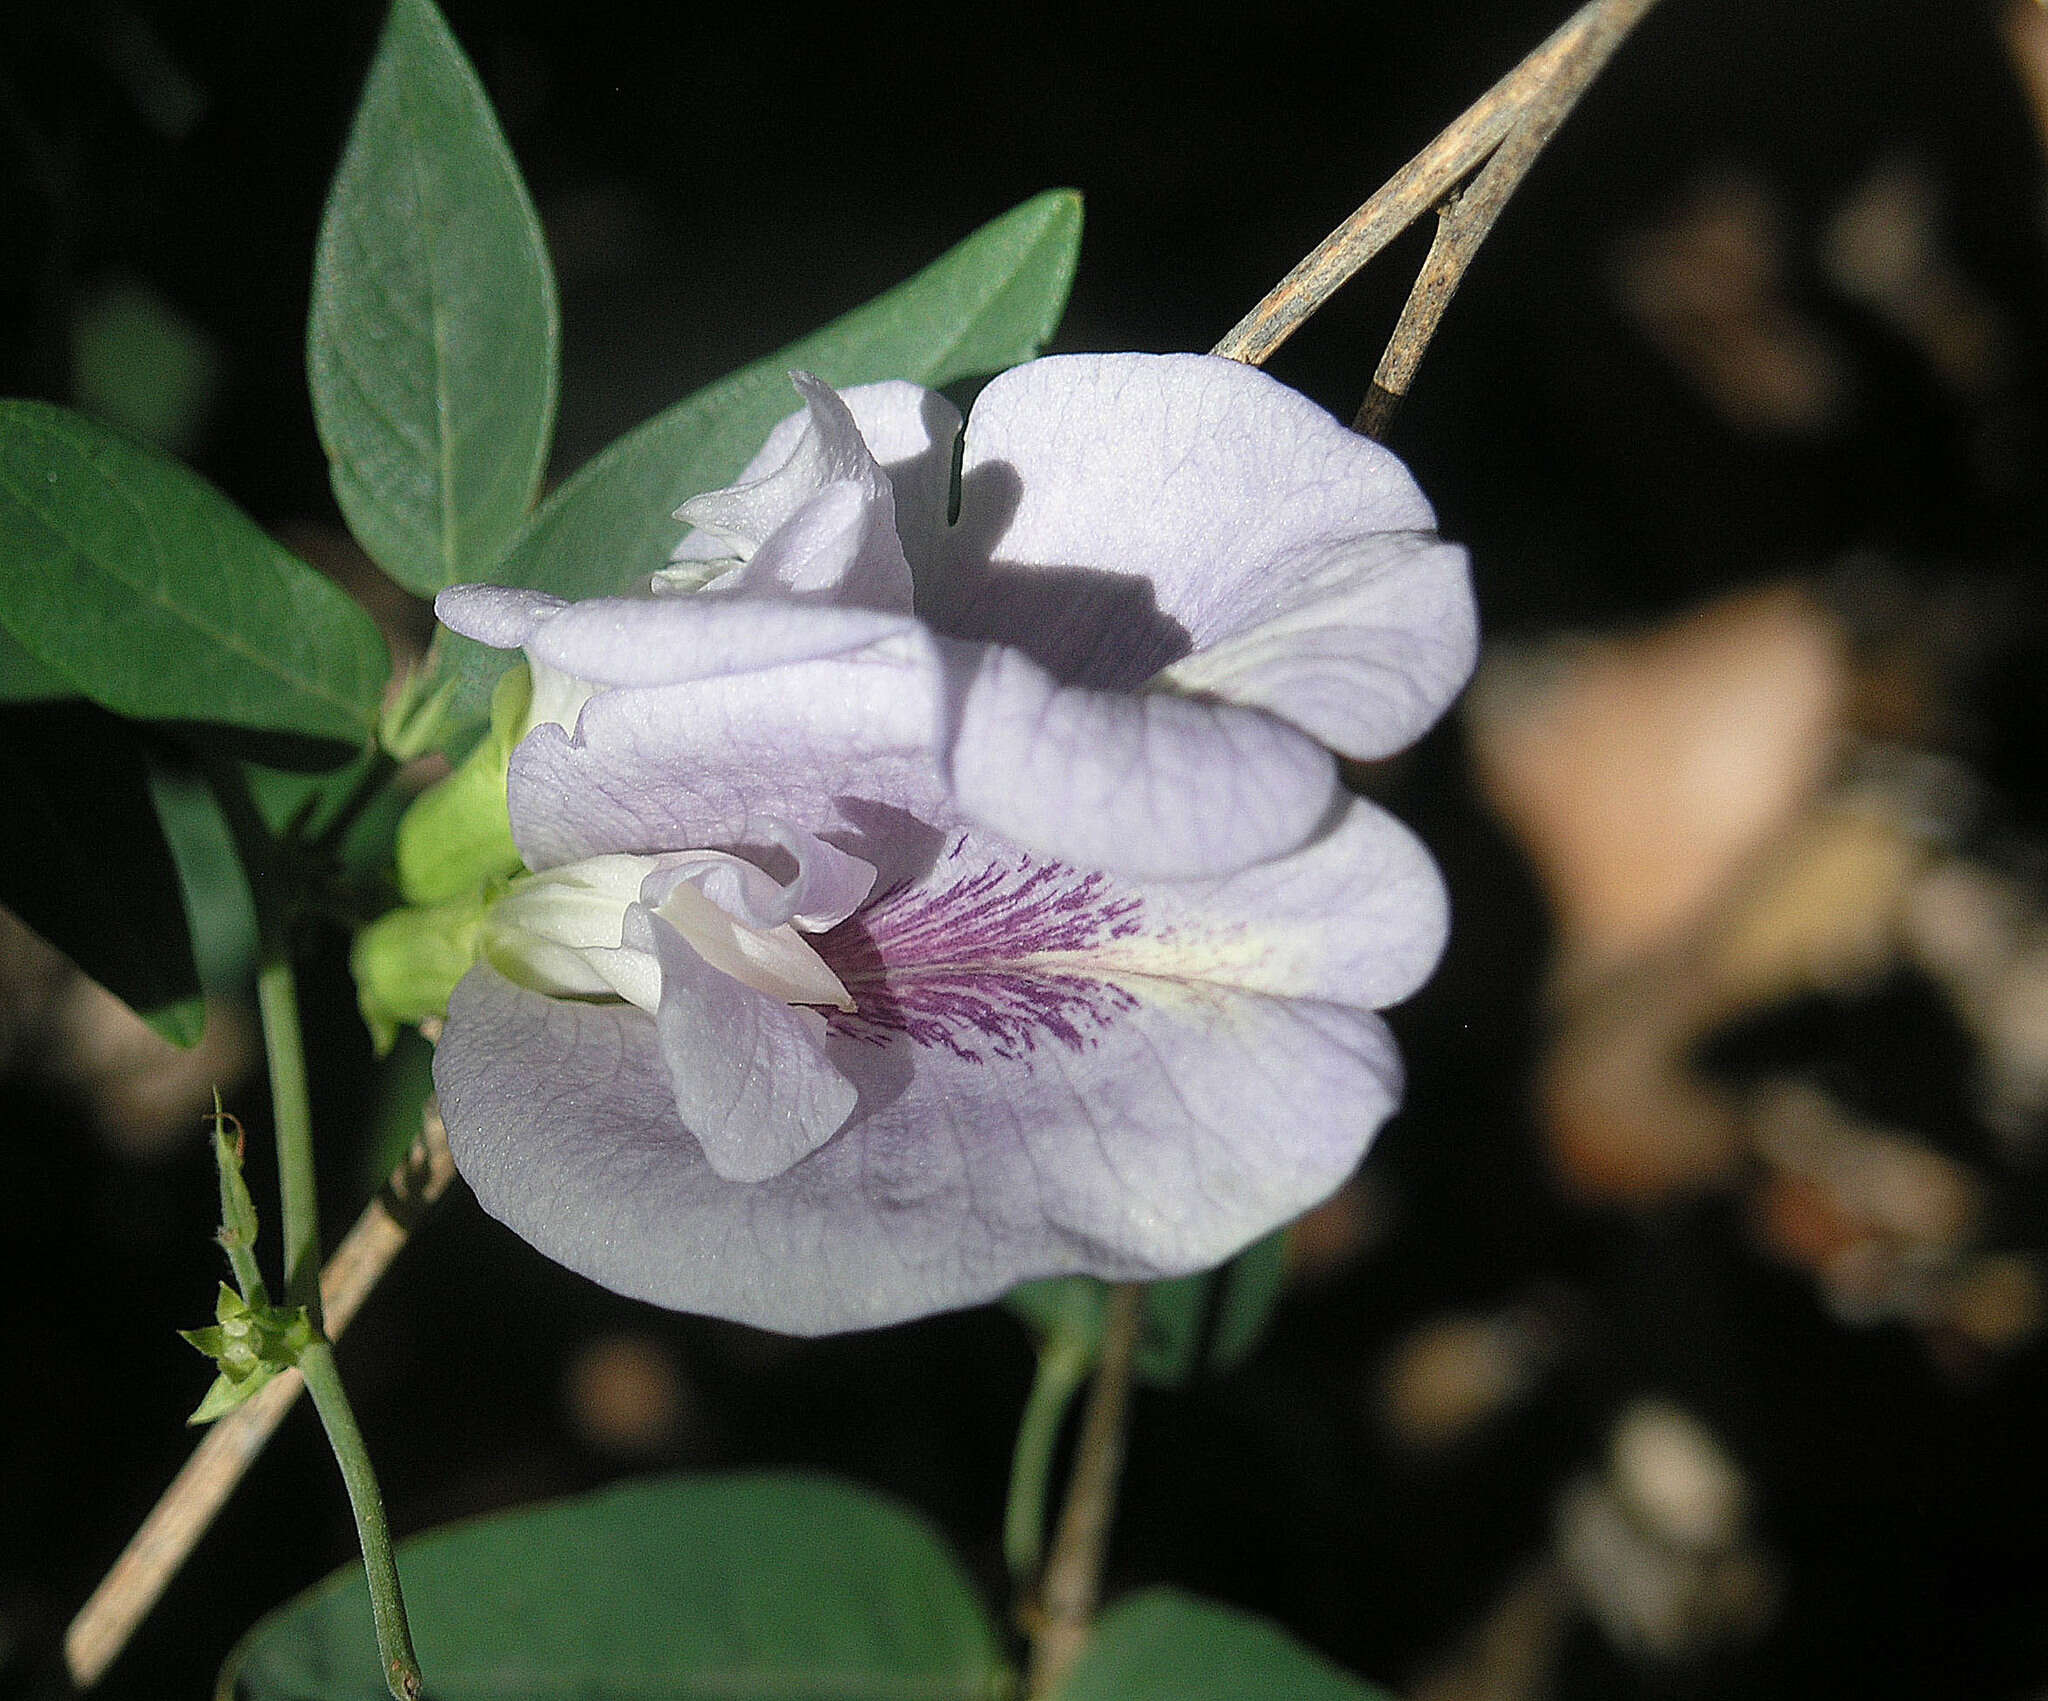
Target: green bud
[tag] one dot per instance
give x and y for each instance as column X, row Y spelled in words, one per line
column 407, row 963
column 457, row 835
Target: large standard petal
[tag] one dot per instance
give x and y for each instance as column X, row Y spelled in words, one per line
column 1365, row 642
column 1120, row 513
column 1173, row 1136
column 1146, row 783
column 751, row 1080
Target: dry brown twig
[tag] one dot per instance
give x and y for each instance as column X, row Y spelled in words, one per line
column 173, row 1528
column 1467, row 174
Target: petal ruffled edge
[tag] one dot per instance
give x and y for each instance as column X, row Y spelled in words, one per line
column 934, row 1196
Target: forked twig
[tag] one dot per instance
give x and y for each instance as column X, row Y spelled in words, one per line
column 1497, row 138
column 174, row 1526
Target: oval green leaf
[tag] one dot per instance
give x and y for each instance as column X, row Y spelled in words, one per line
column 1166, row 1646
column 432, row 344
column 781, row 1588
column 154, row 595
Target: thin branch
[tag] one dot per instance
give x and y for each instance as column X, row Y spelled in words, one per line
column 1073, row 1575
column 188, row 1507
column 1542, row 88
column 1466, row 217
column 1063, row 1363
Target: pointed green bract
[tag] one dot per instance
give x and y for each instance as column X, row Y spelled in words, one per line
column 986, row 304
column 750, row 1588
column 432, row 346
column 1163, row 1645
column 457, row 835
column 154, row 595
column 406, row 963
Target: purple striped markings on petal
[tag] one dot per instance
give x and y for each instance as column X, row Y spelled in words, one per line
column 1050, row 1070
column 877, row 962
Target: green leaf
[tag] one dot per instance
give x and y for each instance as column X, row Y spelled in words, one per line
column 987, row 303
column 220, row 909
column 1166, row 1646
column 431, row 349
column 138, row 363
column 131, row 576
column 23, row 679
column 1206, row 1322
column 781, row 1588
column 84, row 862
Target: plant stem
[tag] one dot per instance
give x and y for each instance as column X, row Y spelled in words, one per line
column 1063, row 1363
column 1073, row 1575
column 377, row 773
column 284, row 1047
column 277, row 999
column 137, row 1580
column 387, row 1603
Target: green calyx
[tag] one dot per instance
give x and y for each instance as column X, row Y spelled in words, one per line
column 457, row 835
column 406, row 963
column 455, row 854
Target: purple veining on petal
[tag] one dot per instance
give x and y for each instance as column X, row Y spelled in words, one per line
column 958, row 958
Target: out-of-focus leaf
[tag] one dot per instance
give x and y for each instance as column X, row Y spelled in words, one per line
column 84, row 862
column 431, row 349
column 405, row 1081
column 23, row 679
column 133, row 577
column 1166, row 1646
column 756, row 1588
column 1205, row 1322
column 138, row 363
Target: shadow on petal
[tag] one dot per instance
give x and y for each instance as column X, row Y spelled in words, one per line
column 1081, row 624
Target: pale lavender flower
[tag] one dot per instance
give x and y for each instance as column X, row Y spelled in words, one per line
column 924, row 908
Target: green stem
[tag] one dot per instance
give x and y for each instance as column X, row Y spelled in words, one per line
column 1063, row 1364
column 284, row 1049
column 377, row 773
column 387, row 1603
column 284, row 1046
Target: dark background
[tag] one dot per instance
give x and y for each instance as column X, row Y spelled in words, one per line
column 715, row 185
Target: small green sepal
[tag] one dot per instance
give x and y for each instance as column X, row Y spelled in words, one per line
column 457, row 835
column 406, row 963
